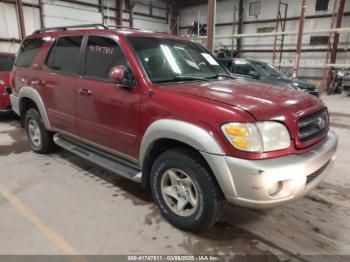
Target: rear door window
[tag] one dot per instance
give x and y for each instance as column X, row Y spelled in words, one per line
column 102, row 54
column 29, row 49
column 64, row 55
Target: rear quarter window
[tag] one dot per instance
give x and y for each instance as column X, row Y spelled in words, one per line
column 29, row 49
column 6, row 63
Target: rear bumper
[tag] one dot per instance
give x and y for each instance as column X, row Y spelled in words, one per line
column 247, row 182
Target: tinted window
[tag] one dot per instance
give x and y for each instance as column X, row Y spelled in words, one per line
column 321, row 5
column 228, row 64
column 267, row 69
column 28, row 51
column 64, row 56
column 6, row 63
column 243, row 68
column 101, row 55
column 318, row 40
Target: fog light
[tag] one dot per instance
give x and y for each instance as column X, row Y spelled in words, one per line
column 275, row 188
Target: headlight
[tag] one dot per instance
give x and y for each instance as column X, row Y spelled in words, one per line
column 2, row 82
column 257, row 137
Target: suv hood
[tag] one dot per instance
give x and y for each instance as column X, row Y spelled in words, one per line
column 263, row 101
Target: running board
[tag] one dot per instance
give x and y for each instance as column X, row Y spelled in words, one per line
column 99, row 158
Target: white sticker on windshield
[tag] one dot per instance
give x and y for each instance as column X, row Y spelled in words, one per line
column 209, row 58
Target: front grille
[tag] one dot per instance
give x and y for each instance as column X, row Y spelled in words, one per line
column 312, row 126
column 315, row 174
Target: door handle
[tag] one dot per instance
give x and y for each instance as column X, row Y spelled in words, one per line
column 85, row 92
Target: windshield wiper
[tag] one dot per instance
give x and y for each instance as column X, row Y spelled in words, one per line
column 182, row 78
column 221, row 75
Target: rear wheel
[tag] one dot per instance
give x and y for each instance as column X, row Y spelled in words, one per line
column 185, row 190
column 40, row 139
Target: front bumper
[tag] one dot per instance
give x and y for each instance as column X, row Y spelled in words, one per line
column 247, row 182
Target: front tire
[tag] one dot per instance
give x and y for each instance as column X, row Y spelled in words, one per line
column 185, row 190
column 40, row 139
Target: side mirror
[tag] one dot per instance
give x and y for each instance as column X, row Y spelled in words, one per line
column 254, row 74
column 116, row 75
column 122, row 75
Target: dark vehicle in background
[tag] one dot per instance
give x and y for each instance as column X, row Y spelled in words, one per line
column 337, row 84
column 6, row 63
column 346, row 83
column 263, row 72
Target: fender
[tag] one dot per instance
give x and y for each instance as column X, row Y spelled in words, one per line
column 181, row 131
column 31, row 93
column 194, row 136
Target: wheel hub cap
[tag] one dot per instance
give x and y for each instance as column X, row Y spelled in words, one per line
column 179, row 192
column 34, row 133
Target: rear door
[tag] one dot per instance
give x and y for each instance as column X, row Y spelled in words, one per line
column 107, row 114
column 61, row 82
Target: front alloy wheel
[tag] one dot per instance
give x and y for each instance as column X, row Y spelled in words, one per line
column 179, row 192
column 185, row 190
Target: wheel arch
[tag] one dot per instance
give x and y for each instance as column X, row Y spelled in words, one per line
column 28, row 97
column 165, row 134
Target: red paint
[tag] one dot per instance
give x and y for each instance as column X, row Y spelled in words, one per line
column 5, row 77
column 118, row 117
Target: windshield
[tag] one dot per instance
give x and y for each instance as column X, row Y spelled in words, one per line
column 172, row 60
column 6, row 63
column 268, row 70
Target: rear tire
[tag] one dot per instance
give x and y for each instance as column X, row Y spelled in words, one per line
column 185, row 190
column 40, row 139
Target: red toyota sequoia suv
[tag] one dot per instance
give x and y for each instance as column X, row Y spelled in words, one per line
column 162, row 111
column 6, row 63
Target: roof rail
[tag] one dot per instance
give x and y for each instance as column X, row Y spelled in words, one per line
column 63, row 28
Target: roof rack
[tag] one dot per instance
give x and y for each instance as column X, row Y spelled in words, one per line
column 97, row 26
column 63, row 28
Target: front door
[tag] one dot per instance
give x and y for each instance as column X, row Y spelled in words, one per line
column 107, row 114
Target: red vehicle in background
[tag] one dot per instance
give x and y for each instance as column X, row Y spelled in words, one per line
column 6, row 63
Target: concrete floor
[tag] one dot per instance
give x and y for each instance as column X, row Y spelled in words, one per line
column 61, row 204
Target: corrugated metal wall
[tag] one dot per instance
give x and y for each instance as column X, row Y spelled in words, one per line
column 60, row 13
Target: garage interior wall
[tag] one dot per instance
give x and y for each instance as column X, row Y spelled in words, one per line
column 268, row 10
column 61, row 13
